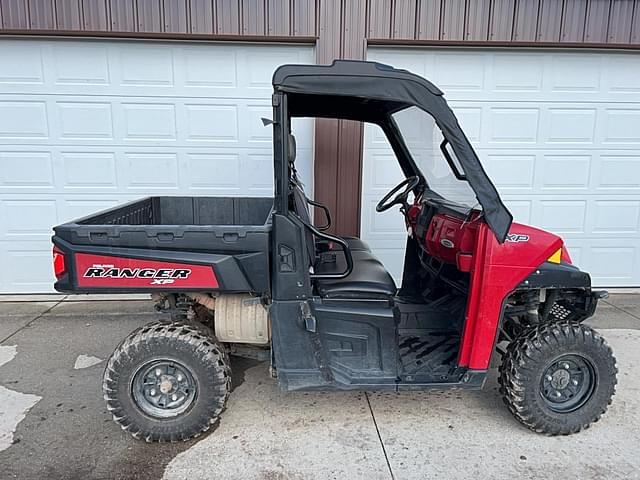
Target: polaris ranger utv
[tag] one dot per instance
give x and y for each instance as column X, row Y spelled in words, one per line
column 255, row 277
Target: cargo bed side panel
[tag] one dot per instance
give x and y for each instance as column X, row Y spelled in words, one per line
column 130, row 270
column 169, row 243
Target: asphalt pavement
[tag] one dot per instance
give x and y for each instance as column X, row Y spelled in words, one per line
column 53, row 422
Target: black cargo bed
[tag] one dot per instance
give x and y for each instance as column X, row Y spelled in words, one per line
column 229, row 235
column 213, row 224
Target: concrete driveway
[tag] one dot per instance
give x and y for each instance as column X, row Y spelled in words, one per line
column 53, row 423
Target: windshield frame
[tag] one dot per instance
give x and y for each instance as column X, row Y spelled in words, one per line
column 424, row 187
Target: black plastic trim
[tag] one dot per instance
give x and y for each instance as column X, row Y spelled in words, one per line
column 556, row 275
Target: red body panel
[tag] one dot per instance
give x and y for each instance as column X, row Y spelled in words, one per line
column 496, row 270
column 119, row 272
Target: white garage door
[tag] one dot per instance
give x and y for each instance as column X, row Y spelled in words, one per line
column 85, row 125
column 559, row 134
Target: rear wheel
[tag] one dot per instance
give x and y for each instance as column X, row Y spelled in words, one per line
column 558, row 378
column 167, row 382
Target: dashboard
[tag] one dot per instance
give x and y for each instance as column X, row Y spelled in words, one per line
column 445, row 231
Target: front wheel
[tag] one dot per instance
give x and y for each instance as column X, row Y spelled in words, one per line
column 167, row 381
column 558, row 378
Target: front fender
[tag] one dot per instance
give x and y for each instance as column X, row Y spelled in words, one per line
column 556, row 275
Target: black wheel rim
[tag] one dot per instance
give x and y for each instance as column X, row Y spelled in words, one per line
column 163, row 388
column 568, row 383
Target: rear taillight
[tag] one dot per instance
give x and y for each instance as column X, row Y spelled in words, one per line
column 58, row 262
column 565, row 257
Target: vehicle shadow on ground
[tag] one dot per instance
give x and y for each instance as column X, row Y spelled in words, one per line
column 239, row 367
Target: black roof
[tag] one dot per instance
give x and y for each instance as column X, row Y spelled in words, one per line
column 370, row 92
column 288, row 76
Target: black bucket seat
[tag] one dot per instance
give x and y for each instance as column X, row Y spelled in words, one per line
column 368, row 279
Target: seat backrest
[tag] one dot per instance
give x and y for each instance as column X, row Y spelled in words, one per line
column 292, row 150
column 299, row 202
column 301, row 208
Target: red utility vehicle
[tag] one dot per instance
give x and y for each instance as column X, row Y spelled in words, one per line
column 255, row 277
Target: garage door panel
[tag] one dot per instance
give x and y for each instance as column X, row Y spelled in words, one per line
column 73, row 208
column 156, row 71
column 256, row 68
column 622, row 75
column 200, row 68
column 621, row 125
column 558, row 133
column 27, row 265
column 526, row 78
column 459, row 72
column 24, row 218
column 470, row 118
column 610, row 262
column 66, row 70
column 209, row 122
column 510, row 171
column 569, row 125
column 574, row 73
column 86, row 125
column 30, row 169
column 152, row 171
column 618, row 173
column 21, row 63
column 23, row 120
column 615, row 216
column 513, row 125
column 256, row 131
column 521, row 75
column 213, row 170
column 140, row 121
column 385, row 229
column 564, row 172
column 143, row 68
column 86, row 170
column 146, row 121
column 520, row 209
column 557, row 125
column 384, row 172
column 597, row 216
column 107, row 120
column 562, row 217
column 83, row 120
column 132, row 170
column 43, row 210
column 576, row 249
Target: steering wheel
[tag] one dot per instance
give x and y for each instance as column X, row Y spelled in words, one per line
column 408, row 184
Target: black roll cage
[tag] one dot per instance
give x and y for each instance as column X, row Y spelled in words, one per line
column 281, row 130
column 386, row 123
column 372, row 92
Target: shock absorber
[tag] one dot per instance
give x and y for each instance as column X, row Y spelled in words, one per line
column 531, row 307
column 179, row 306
